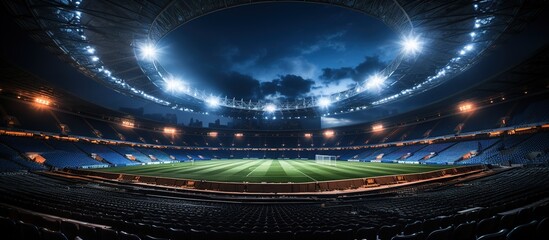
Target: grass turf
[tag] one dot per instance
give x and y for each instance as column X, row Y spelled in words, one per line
column 274, row 171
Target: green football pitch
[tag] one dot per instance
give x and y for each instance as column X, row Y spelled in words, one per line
column 273, row 171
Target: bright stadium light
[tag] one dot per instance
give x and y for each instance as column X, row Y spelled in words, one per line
column 169, row 130
column 128, row 123
column 42, row 101
column 466, row 107
column 411, row 45
column 378, row 127
column 174, row 85
column 324, row 102
column 270, row 108
column 90, row 50
column 328, row 133
column 148, row 51
column 212, row 101
column 375, row 82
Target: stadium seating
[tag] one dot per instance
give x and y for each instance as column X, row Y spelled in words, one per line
column 9, row 166
column 76, row 124
column 31, row 117
column 156, row 153
column 458, row 150
column 106, row 153
column 430, row 214
column 125, row 150
column 432, row 148
column 531, row 113
column 11, row 156
column 63, row 159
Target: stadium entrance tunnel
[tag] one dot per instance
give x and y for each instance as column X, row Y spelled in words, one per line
column 319, row 187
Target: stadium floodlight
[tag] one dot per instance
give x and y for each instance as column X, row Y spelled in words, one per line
column 466, row 107
column 169, row 130
column 329, row 133
column 174, row 85
column 411, row 45
column 128, row 123
column 148, row 51
column 378, row 127
column 90, row 50
column 213, row 101
column 375, row 82
column 468, row 47
column 324, row 102
column 42, row 101
column 270, row 108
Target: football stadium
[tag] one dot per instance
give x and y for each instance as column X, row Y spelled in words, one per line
column 314, row 119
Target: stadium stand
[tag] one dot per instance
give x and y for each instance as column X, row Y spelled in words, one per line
column 459, row 150
column 429, row 151
column 404, row 152
column 30, row 117
column 63, row 159
column 156, row 154
column 77, row 125
column 443, row 211
column 105, row 153
column 12, row 156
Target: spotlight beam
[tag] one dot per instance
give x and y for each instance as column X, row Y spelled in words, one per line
column 148, row 52
column 411, row 45
column 270, row 108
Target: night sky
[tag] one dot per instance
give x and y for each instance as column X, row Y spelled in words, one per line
column 282, row 51
column 273, row 52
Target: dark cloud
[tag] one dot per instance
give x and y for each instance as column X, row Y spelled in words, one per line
column 370, row 65
column 292, row 86
column 331, row 74
column 288, row 86
column 240, row 86
column 270, row 88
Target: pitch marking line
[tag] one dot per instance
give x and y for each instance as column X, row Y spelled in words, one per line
column 255, row 169
column 305, row 174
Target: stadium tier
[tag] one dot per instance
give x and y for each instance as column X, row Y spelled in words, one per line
column 507, row 148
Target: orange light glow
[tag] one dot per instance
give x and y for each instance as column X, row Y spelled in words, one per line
column 212, row 134
column 377, row 127
column 42, row 101
column 128, row 124
column 308, row 135
column 329, row 133
column 239, row 134
column 466, row 107
column 169, row 130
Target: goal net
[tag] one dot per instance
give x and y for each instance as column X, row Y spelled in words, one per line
column 326, row 159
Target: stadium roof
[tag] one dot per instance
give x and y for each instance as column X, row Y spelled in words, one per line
column 105, row 39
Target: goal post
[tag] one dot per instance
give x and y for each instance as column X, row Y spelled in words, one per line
column 326, row 159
